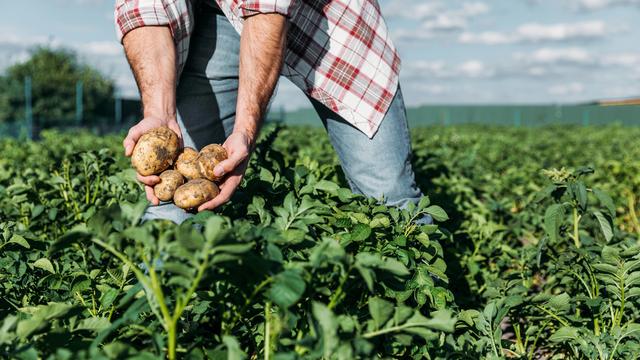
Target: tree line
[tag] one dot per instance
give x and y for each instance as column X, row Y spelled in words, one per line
column 54, row 74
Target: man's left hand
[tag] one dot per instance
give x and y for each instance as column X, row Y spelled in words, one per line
column 239, row 147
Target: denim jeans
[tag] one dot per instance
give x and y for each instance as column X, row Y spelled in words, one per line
column 206, row 104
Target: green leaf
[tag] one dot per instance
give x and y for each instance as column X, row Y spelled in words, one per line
column 381, row 311
column 424, row 202
column 93, row 324
column 437, row 213
column 234, row 352
column 442, row 320
column 367, row 275
column 605, row 225
column 606, row 201
column 565, row 333
column 552, row 219
column 30, row 326
column 360, row 232
column 212, row 228
column 44, row 264
column 327, row 186
column 287, row 288
column 560, row 303
column 468, row 316
column 20, row 240
column 580, row 193
column 328, row 326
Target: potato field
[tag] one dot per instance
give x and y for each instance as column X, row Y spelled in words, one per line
column 535, row 253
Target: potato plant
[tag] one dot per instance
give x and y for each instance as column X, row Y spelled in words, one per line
column 534, row 255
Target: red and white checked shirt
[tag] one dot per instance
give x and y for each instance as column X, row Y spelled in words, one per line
column 338, row 51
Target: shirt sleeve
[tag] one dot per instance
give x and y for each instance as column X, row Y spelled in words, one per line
column 132, row 14
column 254, row 7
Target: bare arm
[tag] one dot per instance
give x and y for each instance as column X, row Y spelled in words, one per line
column 261, row 53
column 262, row 45
column 151, row 54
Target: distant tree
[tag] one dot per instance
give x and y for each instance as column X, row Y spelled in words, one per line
column 54, row 74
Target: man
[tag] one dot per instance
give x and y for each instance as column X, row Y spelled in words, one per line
column 207, row 69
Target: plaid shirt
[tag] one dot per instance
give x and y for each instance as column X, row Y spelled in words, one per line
column 339, row 52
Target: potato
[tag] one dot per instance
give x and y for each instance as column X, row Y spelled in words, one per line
column 155, row 151
column 195, row 193
column 187, row 164
column 170, row 180
column 210, row 156
column 219, row 151
column 206, row 163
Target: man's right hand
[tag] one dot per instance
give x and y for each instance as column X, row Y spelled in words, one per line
column 130, row 141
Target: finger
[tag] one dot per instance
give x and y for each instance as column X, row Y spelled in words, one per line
column 148, row 180
column 173, row 125
column 128, row 143
column 151, row 196
column 132, row 137
column 232, row 163
column 134, row 134
column 224, row 196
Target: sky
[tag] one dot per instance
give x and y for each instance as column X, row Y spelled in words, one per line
column 453, row 51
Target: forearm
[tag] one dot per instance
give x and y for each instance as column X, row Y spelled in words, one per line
column 262, row 47
column 151, row 54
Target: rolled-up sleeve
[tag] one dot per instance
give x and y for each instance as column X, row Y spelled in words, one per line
column 132, row 14
column 254, row 7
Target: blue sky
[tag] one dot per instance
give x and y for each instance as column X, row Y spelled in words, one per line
column 453, row 51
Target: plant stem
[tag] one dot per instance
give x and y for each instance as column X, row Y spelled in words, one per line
column 337, row 295
column 267, row 330
column 576, row 228
column 563, row 322
column 632, row 211
column 172, row 340
column 622, row 300
column 373, row 334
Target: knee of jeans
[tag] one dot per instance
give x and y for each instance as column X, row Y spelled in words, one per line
column 395, row 190
column 166, row 211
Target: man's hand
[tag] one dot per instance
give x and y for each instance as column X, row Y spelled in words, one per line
column 130, row 141
column 238, row 146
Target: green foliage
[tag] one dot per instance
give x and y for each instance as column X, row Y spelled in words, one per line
column 532, row 264
column 54, row 74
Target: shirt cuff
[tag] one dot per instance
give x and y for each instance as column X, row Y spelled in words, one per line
column 254, row 7
column 131, row 14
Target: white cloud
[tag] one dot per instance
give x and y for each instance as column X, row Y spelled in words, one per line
column 535, row 33
column 574, row 88
column 108, row 48
column 445, row 22
column 625, row 60
column 434, row 17
column 601, row 4
column 475, row 69
column 556, row 55
column 441, row 70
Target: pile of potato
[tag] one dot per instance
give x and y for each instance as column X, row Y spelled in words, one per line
column 158, row 152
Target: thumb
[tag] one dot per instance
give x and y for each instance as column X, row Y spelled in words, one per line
column 173, row 125
column 227, row 166
column 132, row 137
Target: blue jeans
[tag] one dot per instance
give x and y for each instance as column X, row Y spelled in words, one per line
column 206, row 102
